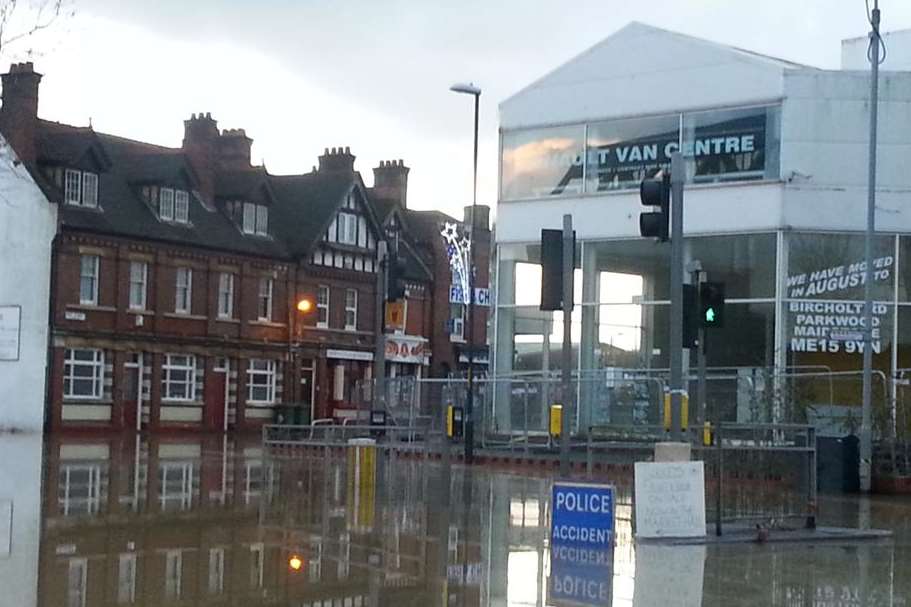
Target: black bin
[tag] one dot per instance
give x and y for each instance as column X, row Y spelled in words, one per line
column 837, row 463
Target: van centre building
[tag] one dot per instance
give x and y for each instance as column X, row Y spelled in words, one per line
column 775, row 208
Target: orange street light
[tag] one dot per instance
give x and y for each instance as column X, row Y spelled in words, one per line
column 305, row 305
column 295, row 563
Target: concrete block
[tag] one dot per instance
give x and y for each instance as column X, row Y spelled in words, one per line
column 672, row 452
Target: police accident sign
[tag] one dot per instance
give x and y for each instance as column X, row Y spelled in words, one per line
column 583, row 515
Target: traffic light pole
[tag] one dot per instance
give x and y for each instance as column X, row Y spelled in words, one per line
column 379, row 356
column 569, row 265
column 700, row 352
column 678, row 175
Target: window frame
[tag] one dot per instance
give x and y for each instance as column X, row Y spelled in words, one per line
column 322, row 306
column 89, row 190
column 142, row 284
column 248, row 218
column 262, row 220
column 264, row 300
column 347, row 222
column 185, row 306
column 166, row 204
column 225, row 295
column 69, row 378
column 351, row 309
column 168, row 366
column 94, row 277
column 181, row 206
column 269, row 373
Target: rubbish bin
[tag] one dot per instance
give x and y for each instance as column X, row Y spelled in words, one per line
column 838, row 461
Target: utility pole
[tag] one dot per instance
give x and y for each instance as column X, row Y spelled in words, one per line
column 696, row 276
column 678, row 175
column 866, row 430
column 569, row 255
column 379, row 356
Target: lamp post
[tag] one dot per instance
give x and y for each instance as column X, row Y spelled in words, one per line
column 470, row 89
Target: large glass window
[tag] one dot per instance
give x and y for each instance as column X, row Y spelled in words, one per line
column 225, row 295
column 729, row 145
column 178, row 485
column 183, row 291
column 542, row 162
column 264, row 301
column 725, row 145
column 621, row 153
column 139, row 271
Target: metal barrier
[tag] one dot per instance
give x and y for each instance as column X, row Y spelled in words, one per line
column 402, row 438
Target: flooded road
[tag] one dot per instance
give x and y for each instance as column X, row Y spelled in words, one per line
column 213, row 521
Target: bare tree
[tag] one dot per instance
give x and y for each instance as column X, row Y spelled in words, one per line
column 24, row 25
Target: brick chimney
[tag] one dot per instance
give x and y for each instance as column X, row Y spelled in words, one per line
column 200, row 144
column 390, row 181
column 481, row 216
column 234, row 149
column 19, row 113
column 337, row 160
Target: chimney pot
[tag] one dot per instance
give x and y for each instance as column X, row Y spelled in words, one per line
column 19, row 113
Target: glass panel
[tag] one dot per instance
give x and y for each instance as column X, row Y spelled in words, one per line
column 621, row 153
column 542, row 162
column 831, row 266
column 729, row 145
column 745, row 263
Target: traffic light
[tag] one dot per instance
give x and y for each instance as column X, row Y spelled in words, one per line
column 656, row 193
column 552, row 269
column 690, row 316
column 711, row 299
column 395, row 278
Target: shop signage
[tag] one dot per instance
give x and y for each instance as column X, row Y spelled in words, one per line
column 10, row 318
column 481, row 295
column 349, row 355
column 395, row 315
column 819, row 322
column 406, row 349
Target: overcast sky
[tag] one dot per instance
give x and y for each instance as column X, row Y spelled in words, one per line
column 302, row 75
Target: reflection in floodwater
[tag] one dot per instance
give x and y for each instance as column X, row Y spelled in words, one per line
column 213, row 521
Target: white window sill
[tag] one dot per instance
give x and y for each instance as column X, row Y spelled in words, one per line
column 456, row 340
column 186, row 316
column 180, row 403
column 260, row 403
column 141, row 311
column 92, row 307
column 267, row 323
column 85, row 400
column 227, row 319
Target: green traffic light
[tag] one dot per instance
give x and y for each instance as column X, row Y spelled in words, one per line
column 710, row 315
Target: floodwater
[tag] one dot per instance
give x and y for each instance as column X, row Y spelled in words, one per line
column 89, row 521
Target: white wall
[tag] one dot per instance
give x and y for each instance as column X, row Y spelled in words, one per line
column 642, row 70
column 27, row 227
column 20, row 483
column 898, row 52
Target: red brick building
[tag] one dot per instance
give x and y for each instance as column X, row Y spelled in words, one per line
column 177, row 272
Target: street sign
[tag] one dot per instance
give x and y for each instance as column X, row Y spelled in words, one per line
column 583, row 515
column 670, row 499
column 481, row 295
column 582, row 544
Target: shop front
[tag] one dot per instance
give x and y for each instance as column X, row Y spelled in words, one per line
column 774, row 209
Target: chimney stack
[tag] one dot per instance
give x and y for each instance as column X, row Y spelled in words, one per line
column 337, row 160
column 200, row 141
column 19, row 113
column 481, row 216
column 390, row 181
column 234, row 149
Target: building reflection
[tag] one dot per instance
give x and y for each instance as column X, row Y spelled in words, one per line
column 214, row 521
column 210, row 521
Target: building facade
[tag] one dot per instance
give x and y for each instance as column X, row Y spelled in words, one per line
column 775, row 208
column 28, row 223
column 176, row 274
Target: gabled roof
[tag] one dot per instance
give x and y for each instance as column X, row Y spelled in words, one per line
column 66, row 145
column 641, row 69
column 307, row 205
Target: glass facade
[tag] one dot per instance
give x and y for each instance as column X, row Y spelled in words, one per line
column 790, row 347
column 726, row 145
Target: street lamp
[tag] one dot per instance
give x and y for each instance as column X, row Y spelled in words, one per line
column 471, row 89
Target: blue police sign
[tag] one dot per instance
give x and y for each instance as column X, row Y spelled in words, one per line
column 583, row 515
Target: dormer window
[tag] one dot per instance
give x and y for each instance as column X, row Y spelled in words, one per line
column 81, row 188
column 256, row 219
column 174, row 205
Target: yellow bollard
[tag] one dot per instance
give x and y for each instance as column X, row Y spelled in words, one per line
column 684, row 411
column 707, row 434
column 556, row 420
